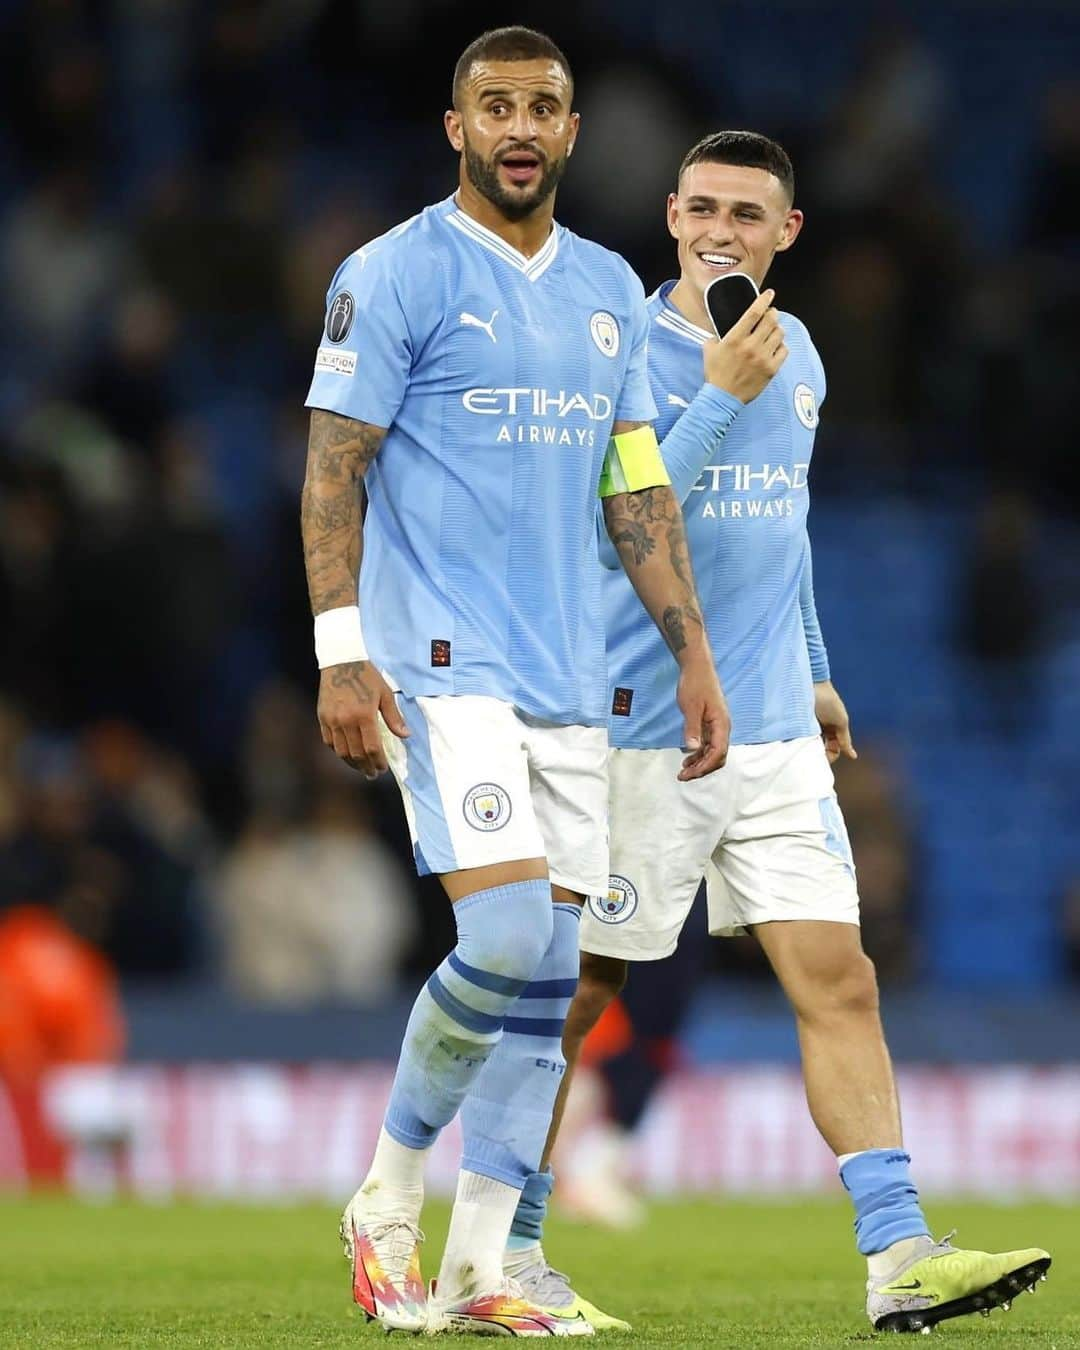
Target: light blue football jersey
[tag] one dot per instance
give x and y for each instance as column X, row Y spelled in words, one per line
column 498, row 377
column 746, row 528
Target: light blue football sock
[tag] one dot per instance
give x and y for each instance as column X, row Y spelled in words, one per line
column 457, row 1019
column 885, row 1199
column 528, row 1225
column 507, row 1113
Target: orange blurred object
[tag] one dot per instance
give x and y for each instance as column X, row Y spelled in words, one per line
column 59, row 1002
column 612, row 1035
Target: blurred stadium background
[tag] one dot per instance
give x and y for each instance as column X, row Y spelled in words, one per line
column 209, row 930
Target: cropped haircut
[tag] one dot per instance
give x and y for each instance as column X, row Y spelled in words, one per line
column 508, row 44
column 749, row 149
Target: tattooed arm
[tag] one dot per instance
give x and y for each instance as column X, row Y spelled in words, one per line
column 647, row 530
column 351, row 695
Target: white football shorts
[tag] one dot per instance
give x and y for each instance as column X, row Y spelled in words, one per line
column 484, row 783
column 765, row 831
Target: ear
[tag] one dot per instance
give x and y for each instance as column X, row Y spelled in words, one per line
column 575, row 125
column 452, row 123
column 789, row 232
column 673, row 214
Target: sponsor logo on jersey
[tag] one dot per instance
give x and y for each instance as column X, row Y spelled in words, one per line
column 745, row 478
column 440, row 652
column 767, row 484
column 619, row 903
column 525, row 402
column 339, row 317
column 605, row 332
column 805, row 406
column 554, row 406
column 622, row 701
column 468, row 320
column 335, row 361
column 487, row 807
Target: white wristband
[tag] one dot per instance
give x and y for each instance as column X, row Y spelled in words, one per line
column 339, row 637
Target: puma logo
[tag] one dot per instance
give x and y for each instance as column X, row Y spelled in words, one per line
column 677, row 401
column 471, row 321
column 914, row 1284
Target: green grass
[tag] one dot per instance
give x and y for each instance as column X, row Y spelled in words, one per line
column 701, row 1274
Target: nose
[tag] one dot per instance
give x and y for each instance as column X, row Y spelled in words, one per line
column 721, row 228
column 522, row 126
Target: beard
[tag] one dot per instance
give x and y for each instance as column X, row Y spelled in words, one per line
column 514, row 203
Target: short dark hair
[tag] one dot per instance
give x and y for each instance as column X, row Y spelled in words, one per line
column 746, row 148
column 508, row 44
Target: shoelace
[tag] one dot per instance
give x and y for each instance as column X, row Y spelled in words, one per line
column 400, row 1238
column 550, row 1287
column 941, row 1247
column 512, row 1289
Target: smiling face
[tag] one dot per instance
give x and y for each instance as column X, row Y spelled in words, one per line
column 729, row 218
column 514, row 128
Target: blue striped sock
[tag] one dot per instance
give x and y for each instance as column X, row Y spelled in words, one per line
column 458, row 1016
column 507, row 1114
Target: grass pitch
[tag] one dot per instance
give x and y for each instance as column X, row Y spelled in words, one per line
column 700, row 1274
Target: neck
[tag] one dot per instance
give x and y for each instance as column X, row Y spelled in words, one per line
column 527, row 235
column 690, row 303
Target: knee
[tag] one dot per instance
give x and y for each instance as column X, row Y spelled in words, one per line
column 845, row 988
column 530, row 945
column 511, row 938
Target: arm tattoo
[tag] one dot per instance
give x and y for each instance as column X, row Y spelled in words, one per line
column 639, row 523
column 674, row 628
column 631, row 533
column 350, row 675
column 339, row 453
column 677, row 551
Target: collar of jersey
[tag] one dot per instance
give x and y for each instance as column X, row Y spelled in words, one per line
column 532, row 268
column 669, row 317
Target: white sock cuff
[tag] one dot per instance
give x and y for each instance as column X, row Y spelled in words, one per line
column 475, row 1188
column 396, row 1166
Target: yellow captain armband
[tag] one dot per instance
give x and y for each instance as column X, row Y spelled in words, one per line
column 633, row 462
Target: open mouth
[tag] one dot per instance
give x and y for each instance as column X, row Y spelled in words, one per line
column 719, row 262
column 520, row 166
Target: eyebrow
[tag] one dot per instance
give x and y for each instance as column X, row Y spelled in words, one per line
column 548, row 94
column 698, row 199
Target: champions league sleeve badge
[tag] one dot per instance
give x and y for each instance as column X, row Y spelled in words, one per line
column 339, row 317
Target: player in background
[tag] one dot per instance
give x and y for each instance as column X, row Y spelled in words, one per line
column 767, row 833
column 483, row 376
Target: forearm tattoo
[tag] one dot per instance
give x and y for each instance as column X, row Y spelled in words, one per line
column 339, row 453
column 644, row 527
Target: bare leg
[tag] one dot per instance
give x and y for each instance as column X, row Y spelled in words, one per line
column 600, row 980
column 832, row 987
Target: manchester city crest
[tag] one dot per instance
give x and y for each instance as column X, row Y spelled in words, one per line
column 619, row 903
column 487, row 807
column 806, row 406
column 605, row 332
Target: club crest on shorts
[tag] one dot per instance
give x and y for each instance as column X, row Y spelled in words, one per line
column 339, row 316
column 487, row 807
column 619, row 903
column 806, row 406
column 605, row 332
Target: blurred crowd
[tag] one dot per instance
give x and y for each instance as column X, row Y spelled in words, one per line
column 178, row 182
